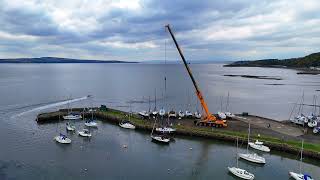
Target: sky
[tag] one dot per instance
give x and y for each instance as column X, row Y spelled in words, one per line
column 133, row 30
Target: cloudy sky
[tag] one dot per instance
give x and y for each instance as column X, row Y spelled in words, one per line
column 134, row 29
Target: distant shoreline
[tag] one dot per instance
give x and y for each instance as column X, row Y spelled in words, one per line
column 51, row 60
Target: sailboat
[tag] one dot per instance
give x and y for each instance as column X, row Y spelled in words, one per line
column 252, row 157
column 221, row 114
column 146, row 114
column 172, row 114
column 72, row 115
column 84, row 133
column 259, row 146
column 228, row 113
column 181, row 114
column 160, row 137
column 300, row 176
column 241, row 173
column 61, row 138
column 91, row 122
column 127, row 124
column 155, row 112
column 299, row 119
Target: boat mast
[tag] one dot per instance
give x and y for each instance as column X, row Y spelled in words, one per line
column 227, row 106
column 300, row 165
column 237, row 151
column 248, row 138
column 149, row 104
column 155, row 99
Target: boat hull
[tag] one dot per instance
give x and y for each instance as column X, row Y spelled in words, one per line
column 72, row 117
column 298, row 176
column 127, row 125
column 241, row 173
column 160, row 139
column 259, row 147
column 83, row 134
column 252, row 158
column 61, row 140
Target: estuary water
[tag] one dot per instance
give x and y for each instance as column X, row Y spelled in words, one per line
column 27, row 150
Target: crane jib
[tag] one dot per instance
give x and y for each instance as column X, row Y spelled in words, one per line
column 183, row 59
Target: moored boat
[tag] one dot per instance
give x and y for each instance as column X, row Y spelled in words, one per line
column 166, row 130
column 259, row 147
column 84, row 133
column 252, row 158
column 63, row 139
column 300, row 175
column 241, row 173
column 70, row 127
column 72, row 116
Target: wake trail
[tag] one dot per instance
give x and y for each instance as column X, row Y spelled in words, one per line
column 60, row 103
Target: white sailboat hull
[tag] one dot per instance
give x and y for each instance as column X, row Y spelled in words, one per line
column 91, row 124
column 127, row 125
column 259, row 147
column 252, row 158
column 160, row 139
column 241, row 173
column 62, row 140
column 299, row 176
column 83, row 134
column 144, row 113
column 72, row 117
column 166, row 130
column 222, row 115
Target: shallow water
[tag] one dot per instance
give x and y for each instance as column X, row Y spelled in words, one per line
column 29, row 152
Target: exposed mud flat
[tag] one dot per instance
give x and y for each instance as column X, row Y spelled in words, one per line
column 254, row 77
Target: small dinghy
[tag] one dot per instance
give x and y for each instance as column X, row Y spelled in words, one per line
column 162, row 112
column 84, row 133
column 63, row 139
column 91, row 123
column 241, row 173
column 252, row 158
column 188, row 114
column 70, row 127
column 72, row 116
column 166, row 130
column 180, row 114
column 172, row 114
column 259, row 147
column 300, row 176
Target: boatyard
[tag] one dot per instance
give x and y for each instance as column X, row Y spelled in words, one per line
column 282, row 136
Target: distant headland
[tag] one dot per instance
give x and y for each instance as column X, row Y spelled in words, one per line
column 57, row 60
column 310, row 61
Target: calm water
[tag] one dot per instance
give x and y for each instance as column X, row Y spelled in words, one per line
column 27, row 150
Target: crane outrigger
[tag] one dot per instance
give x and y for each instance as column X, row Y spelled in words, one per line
column 208, row 119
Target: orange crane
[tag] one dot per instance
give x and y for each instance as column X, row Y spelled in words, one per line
column 208, row 119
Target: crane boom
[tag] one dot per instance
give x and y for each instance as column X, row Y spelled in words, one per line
column 208, row 116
